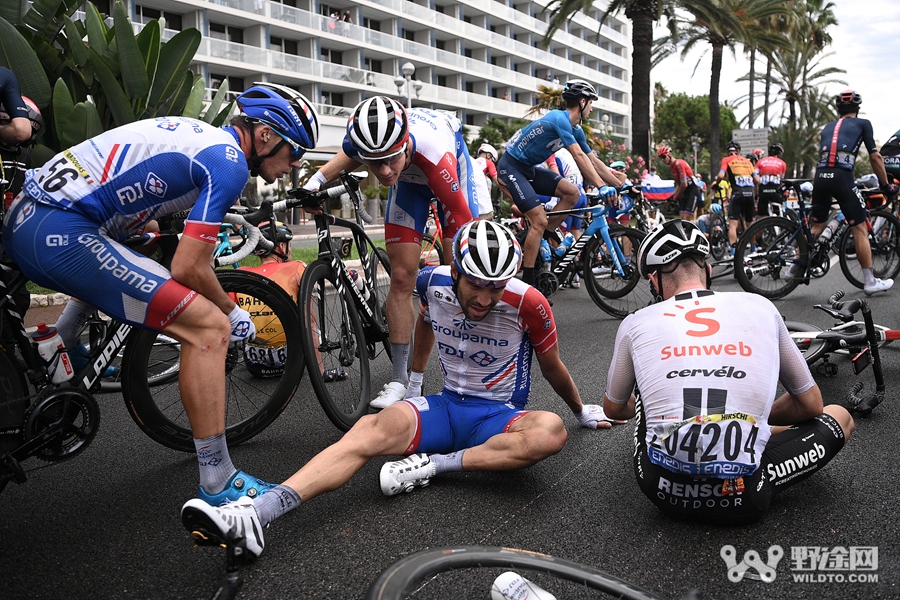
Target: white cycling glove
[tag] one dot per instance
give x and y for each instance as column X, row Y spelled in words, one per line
column 591, row 416
column 242, row 328
column 315, row 182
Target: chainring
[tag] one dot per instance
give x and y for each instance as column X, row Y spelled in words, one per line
column 72, row 411
column 546, row 283
column 819, row 262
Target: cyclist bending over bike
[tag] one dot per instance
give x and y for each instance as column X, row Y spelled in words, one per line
column 65, row 230
column 741, row 175
column 712, row 441
column 478, row 422
column 534, row 144
column 420, row 155
column 687, row 193
column 840, row 143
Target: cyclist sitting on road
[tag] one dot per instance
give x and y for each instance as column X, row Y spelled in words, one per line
column 741, row 175
column 420, row 155
column 712, row 442
column 687, row 192
column 533, row 144
column 771, row 170
column 478, row 422
column 840, row 143
column 65, row 230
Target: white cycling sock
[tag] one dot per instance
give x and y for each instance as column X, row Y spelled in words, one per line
column 400, row 359
column 278, row 501
column 71, row 322
column 215, row 463
column 868, row 278
column 447, row 463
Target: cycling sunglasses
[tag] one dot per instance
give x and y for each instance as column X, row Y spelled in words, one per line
column 486, row 283
column 388, row 160
column 296, row 151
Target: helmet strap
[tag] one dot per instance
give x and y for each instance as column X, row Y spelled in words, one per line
column 256, row 160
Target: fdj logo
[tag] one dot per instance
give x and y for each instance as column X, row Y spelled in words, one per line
column 752, row 560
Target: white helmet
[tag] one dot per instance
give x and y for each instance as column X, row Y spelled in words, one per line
column 670, row 241
column 378, row 125
column 486, row 250
column 487, row 148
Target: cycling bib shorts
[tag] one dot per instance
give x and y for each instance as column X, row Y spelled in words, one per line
column 836, row 183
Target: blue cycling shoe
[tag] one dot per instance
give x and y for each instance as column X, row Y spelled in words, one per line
column 241, row 484
column 79, row 357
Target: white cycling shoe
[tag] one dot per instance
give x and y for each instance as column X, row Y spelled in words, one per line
column 391, row 393
column 234, row 524
column 880, row 285
column 404, row 475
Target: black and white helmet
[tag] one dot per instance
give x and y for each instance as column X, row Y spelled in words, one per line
column 378, row 124
column 486, row 250
column 579, row 88
column 669, row 242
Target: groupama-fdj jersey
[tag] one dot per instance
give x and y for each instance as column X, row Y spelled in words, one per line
column 707, row 366
column 440, row 168
column 834, row 171
column 66, row 225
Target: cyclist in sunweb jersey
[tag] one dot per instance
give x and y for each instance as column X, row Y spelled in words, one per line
column 65, row 230
column 713, row 442
column 741, row 174
column 687, row 192
column 487, row 325
column 421, row 155
column 771, row 170
column 840, row 143
column 532, row 145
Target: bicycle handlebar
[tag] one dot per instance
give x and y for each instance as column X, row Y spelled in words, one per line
column 254, row 239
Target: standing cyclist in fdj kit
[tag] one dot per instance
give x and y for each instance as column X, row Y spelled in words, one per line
column 421, row 155
column 64, row 232
column 486, row 324
column 712, row 441
column 533, row 144
column 771, row 170
column 841, row 140
column 687, row 192
column 741, row 174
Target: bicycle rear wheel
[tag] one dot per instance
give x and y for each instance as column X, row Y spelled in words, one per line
column 812, row 349
column 764, row 254
column 617, row 295
column 255, row 393
column 400, row 578
column 718, row 237
column 884, row 239
column 335, row 345
column 432, row 252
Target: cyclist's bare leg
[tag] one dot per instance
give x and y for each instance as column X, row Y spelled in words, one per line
column 531, row 439
column 537, row 217
column 203, row 331
column 387, row 433
column 863, row 248
column 401, row 315
column 568, row 195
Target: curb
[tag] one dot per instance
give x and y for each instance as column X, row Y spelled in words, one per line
column 41, row 300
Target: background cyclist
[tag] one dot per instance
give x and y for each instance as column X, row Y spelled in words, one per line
column 840, row 143
column 687, row 192
column 478, row 422
column 741, row 175
column 771, row 170
column 18, row 127
column 890, row 153
column 532, row 145
column 85, row 201
column 421, row 156
column 487, row 162
column 712, row 441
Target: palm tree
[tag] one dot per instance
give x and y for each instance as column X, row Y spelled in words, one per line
column 548, row 97
column 642, row 13
column 721, row 24
column 798, row 71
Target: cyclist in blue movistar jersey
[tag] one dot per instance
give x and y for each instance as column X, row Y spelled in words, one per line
column 65, row 228
column 533, row 144
column 841, row 140
column 487, row 325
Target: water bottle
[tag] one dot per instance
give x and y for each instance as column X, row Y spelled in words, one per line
column 512, row 586
column 50, row 347
column 546, row 257
column 360, row 283
column 566, row 244
column 830, row 228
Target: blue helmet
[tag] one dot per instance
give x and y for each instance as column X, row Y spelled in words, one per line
column 286, row 111
column 618, row 165
column 715, row 208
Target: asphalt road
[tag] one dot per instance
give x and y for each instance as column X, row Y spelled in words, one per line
column 105, row 524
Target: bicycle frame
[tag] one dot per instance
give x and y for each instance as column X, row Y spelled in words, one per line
column 598, row 225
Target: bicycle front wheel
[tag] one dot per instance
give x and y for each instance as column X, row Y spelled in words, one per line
column 616, row 294
column 335, row 345
column 718, row 237
column 260, row 379
column 764, row 254
column 884, row 239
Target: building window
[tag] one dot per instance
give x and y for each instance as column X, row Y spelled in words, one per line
column 332, row 98
column 145, row 14
column 409, row 35
column 371, row 24
column 440, row 44
column 226, row 32
column 470, row 87
column 439, row 8
column 467, row 52
column 282, row 45
column 442, row 80
column 333, row 56
column 235, row 84
column 373, row 65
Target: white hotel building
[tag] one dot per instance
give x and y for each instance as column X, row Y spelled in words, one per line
column 482, row 59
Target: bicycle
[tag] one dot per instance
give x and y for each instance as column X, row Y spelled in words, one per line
column 771, row 244
column 55, row 422
column 859, row 339
column 425, row 567
column 432, row 254
column 344, row 318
